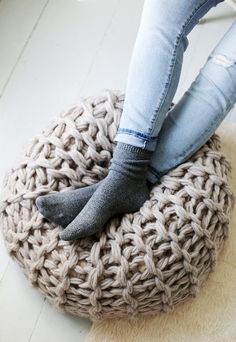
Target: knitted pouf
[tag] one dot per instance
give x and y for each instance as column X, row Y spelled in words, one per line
column 143, row 262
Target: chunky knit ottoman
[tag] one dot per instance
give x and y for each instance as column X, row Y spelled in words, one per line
column 141, row 263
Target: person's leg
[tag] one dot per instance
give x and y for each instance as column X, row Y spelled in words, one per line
column 155, row 67
column 152, row 81
column 201, row 109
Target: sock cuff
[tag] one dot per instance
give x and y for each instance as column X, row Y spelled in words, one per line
column 134, row 149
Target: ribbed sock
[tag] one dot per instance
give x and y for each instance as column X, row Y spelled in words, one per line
column 123, row 190
column 63, row 207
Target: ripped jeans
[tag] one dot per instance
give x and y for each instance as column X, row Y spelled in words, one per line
column 147, row 120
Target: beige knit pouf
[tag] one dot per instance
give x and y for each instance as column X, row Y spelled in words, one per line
column 141, row 263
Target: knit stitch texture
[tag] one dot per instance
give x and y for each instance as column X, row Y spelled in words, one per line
column 141, row 263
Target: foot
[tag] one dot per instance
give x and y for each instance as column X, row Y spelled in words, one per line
column 63, row 207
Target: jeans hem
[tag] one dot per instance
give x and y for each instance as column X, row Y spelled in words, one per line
column 134, row 139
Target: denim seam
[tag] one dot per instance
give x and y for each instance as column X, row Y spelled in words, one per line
column 172, row 66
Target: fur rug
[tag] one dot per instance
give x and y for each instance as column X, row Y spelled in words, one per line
column 211, row 317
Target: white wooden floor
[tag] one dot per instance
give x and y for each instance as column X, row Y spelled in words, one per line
column 51, row 52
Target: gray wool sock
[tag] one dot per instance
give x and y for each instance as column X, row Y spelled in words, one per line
column 123, row 190
column 63, row 207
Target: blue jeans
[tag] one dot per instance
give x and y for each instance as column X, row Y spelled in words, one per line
column 154, row 72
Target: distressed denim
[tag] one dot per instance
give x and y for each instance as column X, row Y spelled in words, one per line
column 154, row 72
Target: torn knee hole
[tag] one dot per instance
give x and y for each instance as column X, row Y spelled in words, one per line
column 222, row 60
